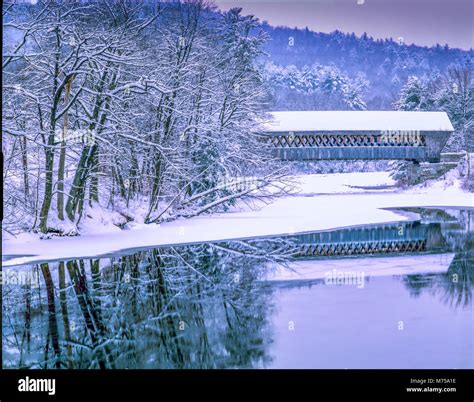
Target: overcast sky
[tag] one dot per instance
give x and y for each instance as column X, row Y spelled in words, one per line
column 423, row 22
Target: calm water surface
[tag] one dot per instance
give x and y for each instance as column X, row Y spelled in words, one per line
column 210, row 305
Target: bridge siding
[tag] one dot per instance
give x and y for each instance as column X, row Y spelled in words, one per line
column 387, row 232
column 389, row 238
column 308, row 153
column 435, row 140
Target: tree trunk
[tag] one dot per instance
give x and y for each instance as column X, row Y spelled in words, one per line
column 94, row 185
column 49, row 147
column 24, row 160
column 76, row 194
column 65, row 314
column 62, row 154
column 48, row 186
column 53, row 323
column 62, row 159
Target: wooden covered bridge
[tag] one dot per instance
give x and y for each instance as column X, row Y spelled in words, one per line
column 317, row 135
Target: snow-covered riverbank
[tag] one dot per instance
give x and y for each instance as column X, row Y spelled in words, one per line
column 323, row 202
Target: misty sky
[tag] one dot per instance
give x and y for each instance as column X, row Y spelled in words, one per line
column 423, row 22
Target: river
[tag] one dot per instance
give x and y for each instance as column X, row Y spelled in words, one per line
column 225, row 305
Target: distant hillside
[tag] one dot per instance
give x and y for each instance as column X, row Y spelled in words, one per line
column 384, row 64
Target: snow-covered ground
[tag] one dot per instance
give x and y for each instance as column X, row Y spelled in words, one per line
column 323, row 202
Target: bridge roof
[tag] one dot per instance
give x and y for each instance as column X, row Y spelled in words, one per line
column 358, row 121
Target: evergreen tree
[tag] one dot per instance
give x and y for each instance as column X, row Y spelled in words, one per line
column 414, row 96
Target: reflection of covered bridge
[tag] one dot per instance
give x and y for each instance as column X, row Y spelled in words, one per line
column 314, row 135
column 376, row 239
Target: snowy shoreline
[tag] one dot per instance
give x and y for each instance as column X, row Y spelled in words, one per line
column 343, row 205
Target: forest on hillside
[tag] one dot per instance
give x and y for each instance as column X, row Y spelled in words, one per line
column 374, row 69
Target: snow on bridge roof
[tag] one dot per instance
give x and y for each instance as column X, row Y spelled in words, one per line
column 358, row 121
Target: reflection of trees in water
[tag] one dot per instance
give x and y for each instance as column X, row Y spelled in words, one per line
column 184, row 307
column 187, row 307
column 455, row 286
column 418, row 282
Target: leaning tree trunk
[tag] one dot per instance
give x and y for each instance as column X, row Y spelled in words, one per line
column 49, row 146
column 77, row 192
column 89, row 158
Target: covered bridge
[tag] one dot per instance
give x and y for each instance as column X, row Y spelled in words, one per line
column 315, row 135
